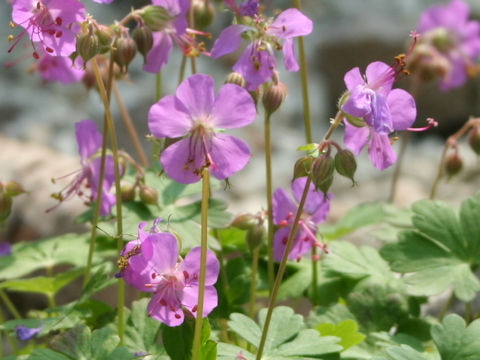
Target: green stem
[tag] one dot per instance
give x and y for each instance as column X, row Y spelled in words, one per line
column 253, row 286
column 10, row 340
column 447, row 306
column 203, row 263
column 268, row 169
column 433, row 192
column 96, row 214
column 10, row 305
column 191, row 25
column 181, row 74
column 468, row 312
column 281, row 269
column 113, row 140
column 158, row 86
column 398, row 166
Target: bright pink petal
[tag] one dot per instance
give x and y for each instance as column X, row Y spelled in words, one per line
column 290, row 23
column 158, row 55
column 169, row 118
column 255, row 66
column 162, row 311
column 316, row 203
column 289, row 58
column 380, row 77
column 197, row 93
column 402, row 108
column 381, row 152
column 299, row 247
column 229, row 155
column 229, row 40
column 183, row 161
column 161, row 252
column 190, row 267
column 353, row 78
column 359, row 102
column 284, row 208
column 233, row 108
column 355, row 138
column 190, row 299
column 89, row 139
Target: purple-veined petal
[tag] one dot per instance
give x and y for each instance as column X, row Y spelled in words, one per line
column 229, row 40
column 169, row 118
column 164, row 313
column 359, row 103
column 283, row 207
column 229, row 154
column 183, row 161
column 380, row 77
column 70, row 11
column 256, row 66
column 380, row 117
column 88, row 137
column 290, row 23
column 355, row 138
column 197, row 93
column 315, row 204
column 381, row 152
column 160, row 250
column 233, row 108
column 289, row 58
column 353, row 78
column 191, row 265
column 190, row 299
column 158, row 55
column 402, row 108
column 299, row 247
column 61, row 46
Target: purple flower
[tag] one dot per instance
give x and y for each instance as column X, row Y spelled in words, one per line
column 315, row 212
column 384, row 110
column 155, row 268
column 25, row 333
column 89, row 142
column 5, row 248
column 59, row 68
column 249, row 8
column 175, row 31
column 196, row 113
column 52, row 23
column 257, row 62
column 451, row 39
column 103, row 1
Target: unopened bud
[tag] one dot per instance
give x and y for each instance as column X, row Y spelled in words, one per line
column 105, row 37
column 143, row 39
column 155, row 17
column 203, row 13
column 256, row 236
column 345, row 164
column 274, row 97
column 303, row 167
column 474, row 140
column 148, row 195
column 128, row 191
column 235, row 78
column 125, row 50
column 453, row 165
column 322, row 172
column 5, row 206
column 12, row 188
column 87, row 45
column 245, row 221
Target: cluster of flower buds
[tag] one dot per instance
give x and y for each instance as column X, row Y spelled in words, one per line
column 254, row 225
column 7, row 192
column 148, row 195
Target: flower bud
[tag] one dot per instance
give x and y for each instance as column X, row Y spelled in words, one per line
column 125, row 50
column 87, row 45
column 474, row 140
column 453, row 165
column 155, row 17
column 245, row 221
column 322, row 172
column 235, row 78
column 345, row 164
column 274, row 97
column 128, row 191
column 12, row 188
column 255, row 237
column 148, row 195
column 302, row 167
column 203, row 13
column 105, row 37
column 143, row 39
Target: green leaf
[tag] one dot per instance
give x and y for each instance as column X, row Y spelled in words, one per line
column 47, row 354
column 346, row 330
column 402, row 352
column 229, row 352
column 441, row 251
column 456, row 341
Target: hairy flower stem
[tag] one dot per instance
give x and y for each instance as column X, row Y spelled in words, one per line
column 96, row 214
column 203, row 263
column 253, row 286
column 127, row 120
column 113, row 140
column 451, row 142
column 282, row 267
column 268, row 170
column 10, row 305
column 308, row 137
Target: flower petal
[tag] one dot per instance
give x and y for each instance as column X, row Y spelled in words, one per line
column 191, row 265
column 380, row 117
column 229, row 155
column 402, row 108
column 190, row 299
column 160, row 250
column 359, row 103
column 283, row 207
column 452, row 16
column 381, row 152
column 355, row 138
column 233, row 108
column 290, row 23
column 162, row 311
column 299, row 247
column 169, row 118
column 197, row 93
column 289, row 58
column 229, row 40
column 380, row 77
column 89, row 139
column 255, row 66
column 353, row 78
column 316, row 203
column 158, row 55
column 183, row 161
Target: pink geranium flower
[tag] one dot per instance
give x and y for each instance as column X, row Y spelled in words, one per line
column 59, row 68
column 196, row 115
